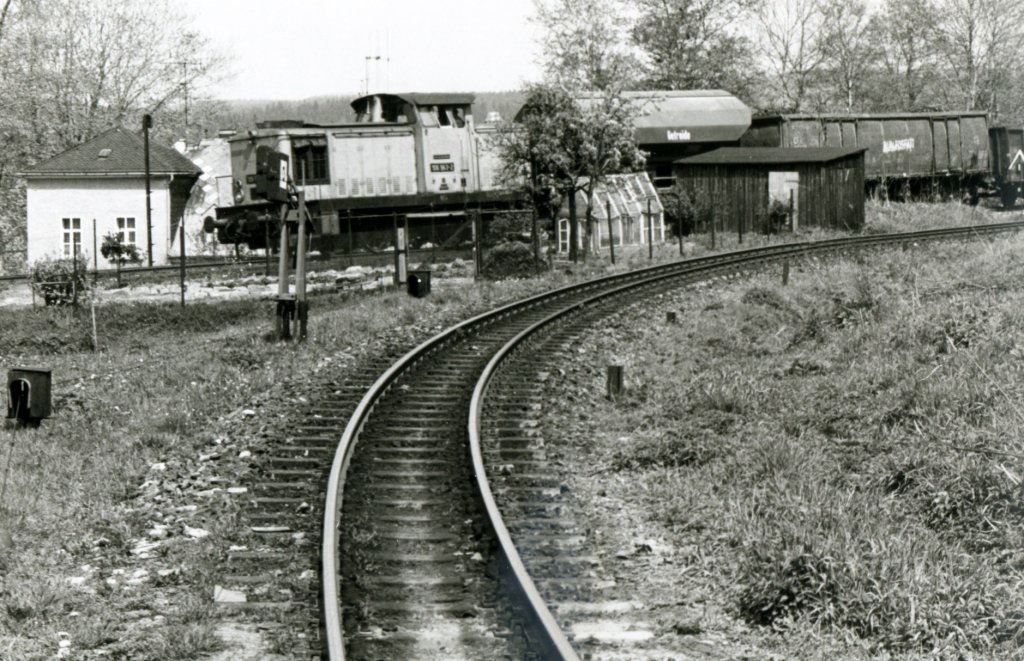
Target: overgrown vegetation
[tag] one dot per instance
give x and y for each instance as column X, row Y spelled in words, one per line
column 842, row 451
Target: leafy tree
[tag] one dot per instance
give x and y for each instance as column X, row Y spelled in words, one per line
column 583, row 43
column 567, row 142
column 691, row 44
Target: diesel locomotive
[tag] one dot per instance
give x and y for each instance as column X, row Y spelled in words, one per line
column 404, row 153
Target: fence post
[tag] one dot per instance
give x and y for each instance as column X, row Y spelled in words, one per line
column 611, row 235
column 614, row 381
column 351, row 248
column 650, row 231
column 478, row 230
column 181, row 252
column 791, row 219
column 95, row 259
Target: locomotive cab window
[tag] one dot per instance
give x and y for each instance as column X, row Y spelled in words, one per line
column 428, row 116
column 309, row 161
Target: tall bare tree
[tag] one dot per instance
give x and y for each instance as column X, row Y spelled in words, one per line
column 848, row 51
column 904, row 34
column 788, row 32
column 981, row 48
column 70, row 69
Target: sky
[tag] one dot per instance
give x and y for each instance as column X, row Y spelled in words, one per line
column 294, row 49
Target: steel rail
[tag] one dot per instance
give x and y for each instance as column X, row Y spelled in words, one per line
column 556, row 644
column 335, row 489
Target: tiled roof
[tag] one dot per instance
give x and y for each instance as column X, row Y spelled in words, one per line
column 114, row 152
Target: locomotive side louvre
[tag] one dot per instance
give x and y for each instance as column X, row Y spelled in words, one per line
column 366, row 164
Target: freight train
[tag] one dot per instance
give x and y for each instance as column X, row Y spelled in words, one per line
column 910, row 154
column 422, row 155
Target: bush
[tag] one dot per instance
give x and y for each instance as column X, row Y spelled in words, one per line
column 509, row 227
column 512, row 259
column 59, row 281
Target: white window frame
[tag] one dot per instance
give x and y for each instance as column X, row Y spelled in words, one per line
column 127, row 233
column 71, row 236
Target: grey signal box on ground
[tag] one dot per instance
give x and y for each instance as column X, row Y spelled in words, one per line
column 28, row 394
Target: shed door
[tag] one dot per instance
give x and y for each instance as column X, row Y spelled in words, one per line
column 784, row 187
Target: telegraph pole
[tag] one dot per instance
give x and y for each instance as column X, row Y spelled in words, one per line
column 147, row 123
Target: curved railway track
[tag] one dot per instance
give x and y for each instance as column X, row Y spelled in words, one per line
column 446, row 534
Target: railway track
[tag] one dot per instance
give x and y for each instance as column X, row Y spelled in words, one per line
column 446, row 533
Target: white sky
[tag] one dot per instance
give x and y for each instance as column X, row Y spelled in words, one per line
column 293, row 49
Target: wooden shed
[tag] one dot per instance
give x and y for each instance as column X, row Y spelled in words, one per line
column 736, row 186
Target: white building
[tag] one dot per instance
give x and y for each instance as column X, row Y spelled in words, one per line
column 97, row 188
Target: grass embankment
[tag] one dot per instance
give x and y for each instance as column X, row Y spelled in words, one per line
column 841, row 458
column 145, row 430
column 143, row 433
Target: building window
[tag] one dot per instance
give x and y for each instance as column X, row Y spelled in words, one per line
column 126, row 230
column 72, row 236
column 310, row 163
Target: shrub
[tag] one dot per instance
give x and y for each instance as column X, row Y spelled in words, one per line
column 776, row 218
column 687, row 210
column 116, row 250
column 59, row 281
column 511, row 259
column 509, row 227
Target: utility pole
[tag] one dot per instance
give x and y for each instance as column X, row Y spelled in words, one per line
column 147, row 123
column 184, row 91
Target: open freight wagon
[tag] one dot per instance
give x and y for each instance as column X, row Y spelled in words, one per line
column 908, row 154
column 1007, row 145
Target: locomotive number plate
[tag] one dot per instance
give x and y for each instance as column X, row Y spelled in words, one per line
column 442, row 167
